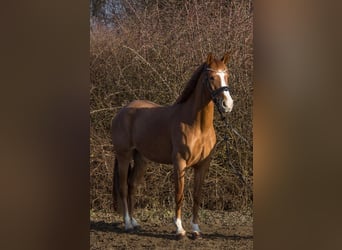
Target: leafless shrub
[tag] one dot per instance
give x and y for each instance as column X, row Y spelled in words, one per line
column 151, row 54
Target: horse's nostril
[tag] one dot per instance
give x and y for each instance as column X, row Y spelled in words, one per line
column 224, row 104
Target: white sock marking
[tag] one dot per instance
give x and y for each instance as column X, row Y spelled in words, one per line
column 134, row 222
column 128, row 223
column 180, row 229
column 195, row 227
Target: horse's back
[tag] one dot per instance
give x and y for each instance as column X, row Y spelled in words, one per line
column 128, row 112
column 142, row 104
column 124, row 120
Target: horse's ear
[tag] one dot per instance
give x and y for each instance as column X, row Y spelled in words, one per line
column 225, row 58
column 210, row 58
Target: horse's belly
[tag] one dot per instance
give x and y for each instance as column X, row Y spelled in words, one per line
column 155, row 146
column 156, row 153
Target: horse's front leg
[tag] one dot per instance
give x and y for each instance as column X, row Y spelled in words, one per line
column 200, row 172
column 179, row 171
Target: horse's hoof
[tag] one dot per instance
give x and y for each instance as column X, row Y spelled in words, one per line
column 137, row 228
column 129, row 230
column 180, row 236
column 197, row 236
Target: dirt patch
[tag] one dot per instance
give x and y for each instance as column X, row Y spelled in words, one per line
column 221, row 230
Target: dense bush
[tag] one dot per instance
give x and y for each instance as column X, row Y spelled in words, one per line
column 150, row 53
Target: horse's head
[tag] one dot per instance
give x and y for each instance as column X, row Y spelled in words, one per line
column 217, row 82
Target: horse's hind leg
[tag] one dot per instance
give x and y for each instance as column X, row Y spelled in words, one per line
column 123, row 167
column 117, row 203
column 134, row 179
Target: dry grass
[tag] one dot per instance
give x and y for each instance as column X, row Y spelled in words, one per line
column 151, row 54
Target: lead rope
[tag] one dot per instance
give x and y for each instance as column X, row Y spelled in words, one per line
column 225, row 138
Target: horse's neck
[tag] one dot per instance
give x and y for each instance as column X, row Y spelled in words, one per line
column 201, row 107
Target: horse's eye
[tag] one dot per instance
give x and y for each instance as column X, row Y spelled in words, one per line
column 211, row 78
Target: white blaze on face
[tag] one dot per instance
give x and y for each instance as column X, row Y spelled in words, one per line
column 228, row 99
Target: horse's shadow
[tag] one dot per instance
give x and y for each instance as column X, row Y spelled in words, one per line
column 213, row 236
column 118, row 228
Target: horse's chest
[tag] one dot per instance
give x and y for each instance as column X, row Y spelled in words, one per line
column 200, row 149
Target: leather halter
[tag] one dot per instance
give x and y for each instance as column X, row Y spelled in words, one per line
column 215, row 92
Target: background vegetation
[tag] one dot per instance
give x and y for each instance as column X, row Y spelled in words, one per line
column 148, row 50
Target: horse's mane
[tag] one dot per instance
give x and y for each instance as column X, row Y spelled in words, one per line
column 190, row 86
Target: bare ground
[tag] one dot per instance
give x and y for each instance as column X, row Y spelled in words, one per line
column 221, row 230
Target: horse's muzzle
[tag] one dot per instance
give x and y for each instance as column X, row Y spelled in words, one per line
column 226, row 106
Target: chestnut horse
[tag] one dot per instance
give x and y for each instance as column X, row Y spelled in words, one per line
column 181, row 134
